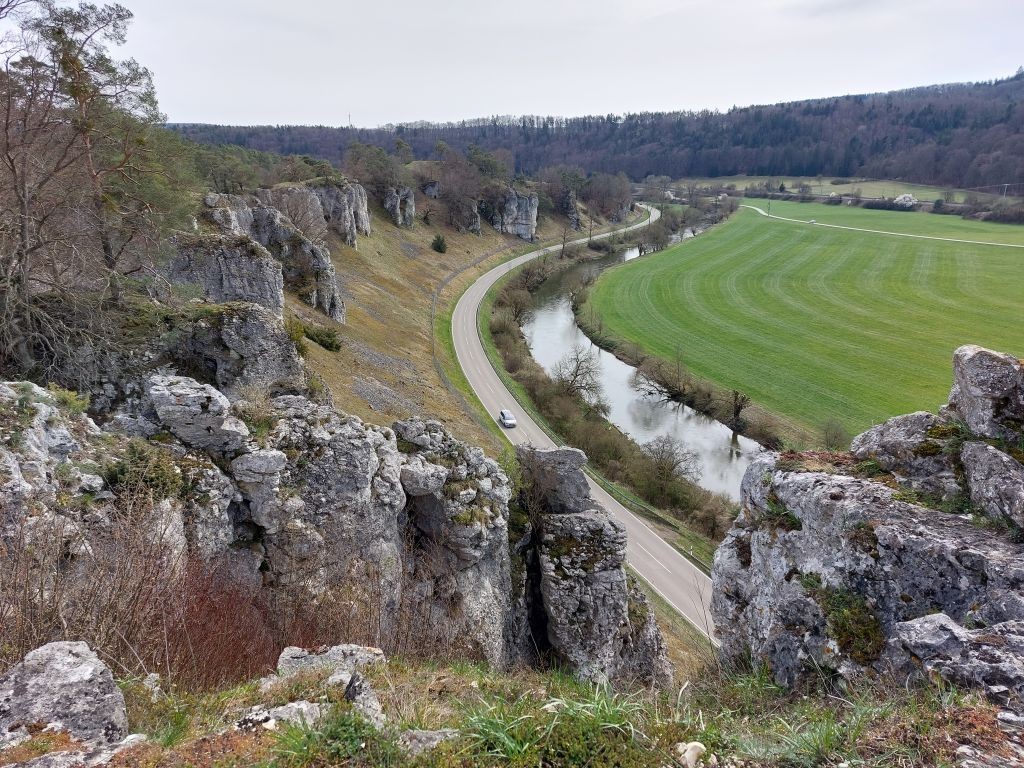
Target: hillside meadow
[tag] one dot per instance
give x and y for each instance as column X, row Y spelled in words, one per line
column 818, row 323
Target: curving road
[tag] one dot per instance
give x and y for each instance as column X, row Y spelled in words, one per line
column 680, row 583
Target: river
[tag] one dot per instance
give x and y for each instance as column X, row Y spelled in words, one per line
column 551, row 331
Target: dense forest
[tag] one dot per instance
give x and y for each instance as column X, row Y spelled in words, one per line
column 965, row 135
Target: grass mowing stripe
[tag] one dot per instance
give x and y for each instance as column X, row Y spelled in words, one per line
column 816, row 323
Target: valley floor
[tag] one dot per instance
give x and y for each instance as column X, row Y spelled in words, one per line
column 818, row 323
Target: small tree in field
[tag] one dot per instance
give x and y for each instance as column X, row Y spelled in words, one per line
column 439, row 244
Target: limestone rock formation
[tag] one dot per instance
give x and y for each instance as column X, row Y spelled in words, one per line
column 515, row 213
column 338, row 658
column 995, row 480
column 306, row 262
column 63, row 686
column 597, row 623
column 856, row 561
column 199, row 415
column 241, row 348
column 990, row 658
column 569, row 208
column 228, row 268
column 988, row 391
column 911, row 447
column 400, row 202
column 431, row 189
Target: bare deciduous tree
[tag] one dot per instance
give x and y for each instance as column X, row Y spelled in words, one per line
column 578, row 374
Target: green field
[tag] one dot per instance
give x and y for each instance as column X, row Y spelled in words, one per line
column 814, row 322
column 867, row 187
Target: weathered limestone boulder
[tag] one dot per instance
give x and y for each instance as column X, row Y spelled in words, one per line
column 416, row 742
column 400, row 202
column 599, row 624
column 301, row 713
column 913, row 448
column 431, row 189
column 516, row 214
column 820, row 568
column 242, row 348
column 991, row 658
column 63, row 686
column 228, row 268
column 197, row 414
column 364, row 700
column 826, row 570
column 558, row 474
column 995, row 481
column 338, row 658
column 306, row 262
column 988, row 391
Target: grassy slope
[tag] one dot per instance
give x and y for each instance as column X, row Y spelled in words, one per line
column 816, row 323
column 389, row 280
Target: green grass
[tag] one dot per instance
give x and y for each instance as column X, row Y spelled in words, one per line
column 911, row 223
column 815, row 323
column 868, row 187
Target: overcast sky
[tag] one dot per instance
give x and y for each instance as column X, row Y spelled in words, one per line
column 385, row 61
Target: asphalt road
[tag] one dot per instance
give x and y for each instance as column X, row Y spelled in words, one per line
column 680, row 583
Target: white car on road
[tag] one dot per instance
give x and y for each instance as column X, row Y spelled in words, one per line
column 506, row 419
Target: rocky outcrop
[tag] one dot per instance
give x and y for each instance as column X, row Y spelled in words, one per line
column 515, row 213
column 988, row 392
column 306, row 262
column 912, row 448
column 320, row 204
column 568, row 207
column 228, row 268
column 403, row 529
column 241, row 348
column 62, row 686
column 996, row 482
column 197, row 414
column 856, row 562
column 596, row 622
column 431, row 189
column 400, row 202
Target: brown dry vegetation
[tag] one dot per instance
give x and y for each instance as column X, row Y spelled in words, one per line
column 390, row 280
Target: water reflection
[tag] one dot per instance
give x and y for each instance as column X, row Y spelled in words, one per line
column 551, row 331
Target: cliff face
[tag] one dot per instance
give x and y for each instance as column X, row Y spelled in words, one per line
column 400, row 202
column 597, row 621
column 902, row 555
column 516, row 214
column 306, row 263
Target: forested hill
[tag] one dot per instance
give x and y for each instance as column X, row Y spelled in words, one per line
column 965, row 134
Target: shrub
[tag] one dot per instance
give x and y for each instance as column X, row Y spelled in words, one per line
column 69, row 400
column 147, row 469
column 296, row 331
column 325, row 337
column 439, row 244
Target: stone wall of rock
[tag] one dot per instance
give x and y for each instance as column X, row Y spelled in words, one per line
column 516, row 214
column 228, row 268
column 306, row 262
column 400, row 203
column 322, row 505
column 879, row 558
column 597, row 623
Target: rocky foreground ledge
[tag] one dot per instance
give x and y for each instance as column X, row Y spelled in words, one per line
column 902, row 557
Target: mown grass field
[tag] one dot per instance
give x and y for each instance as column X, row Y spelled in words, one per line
column 868, row 187
column 814, row 322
